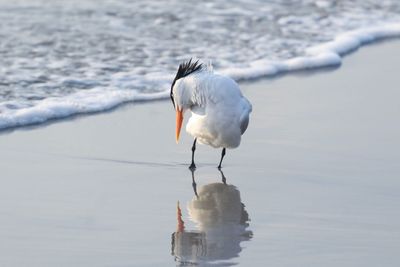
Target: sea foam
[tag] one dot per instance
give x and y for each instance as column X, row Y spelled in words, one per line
column 319, row 56
column 83, row 102
column 51, row 67
column 97, row 100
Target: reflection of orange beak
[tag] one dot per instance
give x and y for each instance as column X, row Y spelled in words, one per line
column 179, row 119
column 181, row 224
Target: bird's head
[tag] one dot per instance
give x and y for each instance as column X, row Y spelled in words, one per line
column 181, row 91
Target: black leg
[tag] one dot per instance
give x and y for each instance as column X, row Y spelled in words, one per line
column 222, row 157
column 194, row 185
column 222, row 176
column 193, row 166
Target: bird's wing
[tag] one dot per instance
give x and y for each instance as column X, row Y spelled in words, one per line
column 244, row 117
column 244, row 122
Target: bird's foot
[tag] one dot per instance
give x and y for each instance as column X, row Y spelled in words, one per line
column 222, row 176
column 194, row 185
column 192, row 167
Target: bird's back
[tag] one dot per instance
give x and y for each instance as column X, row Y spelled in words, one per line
column 224, row 113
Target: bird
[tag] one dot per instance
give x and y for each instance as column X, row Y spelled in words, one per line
column 220, row 112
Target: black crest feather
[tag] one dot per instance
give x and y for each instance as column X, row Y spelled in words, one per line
column 184, row 70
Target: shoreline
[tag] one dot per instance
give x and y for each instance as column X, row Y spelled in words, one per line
column 328, row 55
column 317, row 171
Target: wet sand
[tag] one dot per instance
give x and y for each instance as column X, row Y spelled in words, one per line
column 317, row 170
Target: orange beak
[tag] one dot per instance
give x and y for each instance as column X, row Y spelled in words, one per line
column 179, row 120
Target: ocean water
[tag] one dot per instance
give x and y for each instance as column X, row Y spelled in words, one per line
column 60, row 58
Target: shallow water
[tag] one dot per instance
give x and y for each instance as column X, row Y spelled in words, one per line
column 60, row 58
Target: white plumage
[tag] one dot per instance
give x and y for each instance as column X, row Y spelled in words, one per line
column 220, row 113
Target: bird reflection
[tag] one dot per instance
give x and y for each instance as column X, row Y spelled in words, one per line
column 221, row 221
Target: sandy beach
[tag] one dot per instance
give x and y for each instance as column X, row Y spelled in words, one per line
column 317, row 171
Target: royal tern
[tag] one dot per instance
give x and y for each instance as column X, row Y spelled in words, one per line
column 220, row 113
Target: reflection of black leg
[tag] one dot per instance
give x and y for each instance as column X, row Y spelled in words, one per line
column 222, row 157
column 223, row 176
column 193, row 166
column 194, row 185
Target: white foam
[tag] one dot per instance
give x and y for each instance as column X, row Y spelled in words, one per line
column 96, row 100
column 352, row 40
column 318, row 56
column 89, row 101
